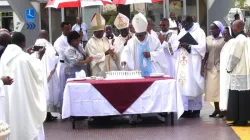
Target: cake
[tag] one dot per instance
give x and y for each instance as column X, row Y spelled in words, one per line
column 123, row 75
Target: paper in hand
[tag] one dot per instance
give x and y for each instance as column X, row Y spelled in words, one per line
column 187, row 38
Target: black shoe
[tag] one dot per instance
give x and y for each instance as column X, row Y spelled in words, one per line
column 242, row 123
column 50, row 118
column 195, row 114
column 186, row 114
column 215, row 113
column 221, row 115
column 238, row 123
column 232, row 124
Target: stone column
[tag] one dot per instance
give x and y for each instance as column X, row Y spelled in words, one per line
column 19, row 9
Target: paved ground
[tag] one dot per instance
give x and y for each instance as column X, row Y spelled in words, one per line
column 203, row 128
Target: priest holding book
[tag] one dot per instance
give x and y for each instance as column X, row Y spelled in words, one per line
column 189, row 74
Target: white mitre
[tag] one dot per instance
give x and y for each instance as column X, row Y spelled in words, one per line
column 121, row 21
column 97, row 22
column 41, row 42
column 140, row 23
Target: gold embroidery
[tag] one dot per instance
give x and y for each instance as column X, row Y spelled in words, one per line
column 168, row 37
column 137, row 20
column 170, row 49
column 182, row 67
column 121, row 23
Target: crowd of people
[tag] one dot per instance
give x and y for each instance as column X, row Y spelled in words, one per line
column 33, row 80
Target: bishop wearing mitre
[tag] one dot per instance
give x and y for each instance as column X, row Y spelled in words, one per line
column 122, row 24
column 143, row 51
column 100, row 49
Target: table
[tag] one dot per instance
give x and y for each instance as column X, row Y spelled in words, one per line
column 121, row 97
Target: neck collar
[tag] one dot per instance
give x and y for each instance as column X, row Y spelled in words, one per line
column 242, row 33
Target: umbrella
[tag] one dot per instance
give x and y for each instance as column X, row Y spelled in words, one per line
column 124, row 2
column 75, row 3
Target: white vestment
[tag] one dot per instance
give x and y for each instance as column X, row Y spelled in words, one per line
column 224, row 75
column 173, row 24
column 131, row 57
column 119, row 46
column 170, row 46
column 239, row 64
column 60, row 45
column 153, row 33
column 2, row 94
column 50, row 77
column 25, row 100
column 101, row 63
column 188, row 68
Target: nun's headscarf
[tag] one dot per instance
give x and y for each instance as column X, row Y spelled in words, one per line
column 220, row 26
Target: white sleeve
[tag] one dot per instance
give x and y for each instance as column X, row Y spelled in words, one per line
column 201, row 47
column 73, row 28
column 126, row 55
column 1, row 84
column 158, row 58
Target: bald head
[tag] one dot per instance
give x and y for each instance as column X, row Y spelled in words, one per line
column 78, row 20
column 172, row 16
column 5, row 38
column 238, row 26
column 150, row 24
column 43, row 34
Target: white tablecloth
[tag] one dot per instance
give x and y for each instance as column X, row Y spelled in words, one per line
column 82, row 99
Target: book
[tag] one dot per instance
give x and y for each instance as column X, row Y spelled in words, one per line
column 187, row 38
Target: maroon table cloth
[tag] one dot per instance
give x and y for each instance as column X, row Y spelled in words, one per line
column 121, row 94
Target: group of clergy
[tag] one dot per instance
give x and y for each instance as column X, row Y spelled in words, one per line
column 217, row 65
column 197, row 68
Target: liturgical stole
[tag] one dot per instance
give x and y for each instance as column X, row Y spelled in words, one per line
column 145, row 63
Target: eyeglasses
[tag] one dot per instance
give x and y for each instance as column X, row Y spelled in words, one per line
column 162, row 25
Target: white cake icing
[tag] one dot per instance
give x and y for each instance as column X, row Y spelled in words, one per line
column 112, row 75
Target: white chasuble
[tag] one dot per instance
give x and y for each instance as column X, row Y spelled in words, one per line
column 60, row 45
column 131, row 57
column 50, row 77
column 25, row 100
column 101, row 63
column 170, row 46
column 189, row 64
column 2, row 112
column 119, row 46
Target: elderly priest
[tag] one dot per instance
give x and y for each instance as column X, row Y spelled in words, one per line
column 100, row 49
column 238, row 109
column 143, row 51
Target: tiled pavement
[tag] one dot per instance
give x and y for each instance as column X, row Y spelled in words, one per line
column 203, row 128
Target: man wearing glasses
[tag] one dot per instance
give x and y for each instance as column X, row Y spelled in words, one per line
column 169, row 44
